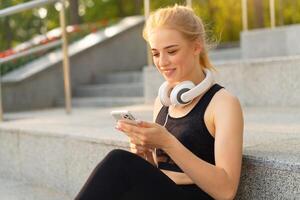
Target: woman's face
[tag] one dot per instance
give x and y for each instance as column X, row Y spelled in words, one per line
column 174, row 56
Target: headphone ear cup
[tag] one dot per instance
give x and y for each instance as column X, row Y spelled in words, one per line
column 163, row 93
column 178, row 90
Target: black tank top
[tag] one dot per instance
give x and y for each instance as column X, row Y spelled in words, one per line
column 190, row 130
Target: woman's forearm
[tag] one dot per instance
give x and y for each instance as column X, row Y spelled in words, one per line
column 208, row 177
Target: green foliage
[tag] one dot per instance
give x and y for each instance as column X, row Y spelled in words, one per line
column 221, row 24
column 17, row 27
column 222, row 18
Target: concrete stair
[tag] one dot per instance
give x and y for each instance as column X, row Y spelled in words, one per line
column 105, row 101
column 39, row 84
column 119, row 77
column 134, row 89
column 112, row 89
column 53, row 150
column 18, row 190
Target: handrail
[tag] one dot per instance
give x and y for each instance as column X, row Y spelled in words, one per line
column 272, row 13
column 66, row 68
column 24, row 6
column 31, row 51
column 147, row 13
column 189, row 3
column 245, row 14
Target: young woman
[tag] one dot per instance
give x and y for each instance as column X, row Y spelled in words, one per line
column 193, row 149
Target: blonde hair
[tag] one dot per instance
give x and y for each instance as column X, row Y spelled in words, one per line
column 184, row 20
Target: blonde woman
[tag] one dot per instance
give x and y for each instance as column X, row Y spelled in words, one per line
column 193, row 149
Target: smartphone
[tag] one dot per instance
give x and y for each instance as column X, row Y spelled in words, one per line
column 122, row 114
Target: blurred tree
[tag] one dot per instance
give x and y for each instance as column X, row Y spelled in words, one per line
column 222, row 18
column 137, row 7
column 258, row 13
column 279, row 10
column 74, row 12
column 18, row 27
column 7, row 34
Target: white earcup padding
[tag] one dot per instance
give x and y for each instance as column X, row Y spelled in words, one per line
column 178, row 90
column 163, row 93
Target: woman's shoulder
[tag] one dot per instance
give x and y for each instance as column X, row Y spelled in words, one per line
column 223, row 96
column 225, row 103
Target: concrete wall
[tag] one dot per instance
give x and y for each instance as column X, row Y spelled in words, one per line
column 38, row 91
column 225, row 54
column 263, row 82
column 124, row 51
column 59, row 162
column 280, row 41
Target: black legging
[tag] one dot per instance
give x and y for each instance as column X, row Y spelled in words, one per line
column 123, row 175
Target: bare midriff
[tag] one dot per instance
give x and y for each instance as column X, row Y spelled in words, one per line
column 179, row 178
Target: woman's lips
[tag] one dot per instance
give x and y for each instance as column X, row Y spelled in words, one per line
column 169, row 72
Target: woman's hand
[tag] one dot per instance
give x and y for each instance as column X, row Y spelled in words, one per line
column 143, row 152
column 138, row 149
column 146, row 135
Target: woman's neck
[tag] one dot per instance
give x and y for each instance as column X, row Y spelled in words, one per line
column 197, row 75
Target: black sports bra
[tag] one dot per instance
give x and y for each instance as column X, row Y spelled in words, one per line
column 190, row 130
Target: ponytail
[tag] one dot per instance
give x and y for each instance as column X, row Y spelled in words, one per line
column 205, row 61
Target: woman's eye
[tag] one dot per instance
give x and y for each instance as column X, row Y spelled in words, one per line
column 155, row 54
column 172, row 52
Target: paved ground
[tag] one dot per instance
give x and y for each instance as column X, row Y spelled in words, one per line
column 270, row 133
column 16, row 190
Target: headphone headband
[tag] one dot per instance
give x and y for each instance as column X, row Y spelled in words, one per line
column 184, row 92
column 202, row 87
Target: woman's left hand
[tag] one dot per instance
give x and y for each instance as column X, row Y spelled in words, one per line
column 146, row 134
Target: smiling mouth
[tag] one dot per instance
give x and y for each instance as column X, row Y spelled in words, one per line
column 169, row 72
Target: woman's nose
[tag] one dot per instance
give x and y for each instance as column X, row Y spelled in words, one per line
column 163, row 60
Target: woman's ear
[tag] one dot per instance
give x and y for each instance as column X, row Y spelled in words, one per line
column 197, row 47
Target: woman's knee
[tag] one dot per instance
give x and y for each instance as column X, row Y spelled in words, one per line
column 118, row 153
column 119, row 156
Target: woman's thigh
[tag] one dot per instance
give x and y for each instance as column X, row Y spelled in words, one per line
column 147, row 181
column 124, row 175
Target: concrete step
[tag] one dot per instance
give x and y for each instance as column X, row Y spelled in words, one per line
column 19, row 190
column 132, row 89
column 59, row 151
column 102, row 101
column 119, row 77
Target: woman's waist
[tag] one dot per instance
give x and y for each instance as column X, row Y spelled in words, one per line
column 179, row 178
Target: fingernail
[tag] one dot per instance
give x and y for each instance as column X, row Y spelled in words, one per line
column 118, row 128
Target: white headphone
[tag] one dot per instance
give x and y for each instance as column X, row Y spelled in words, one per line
column 184, row 92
